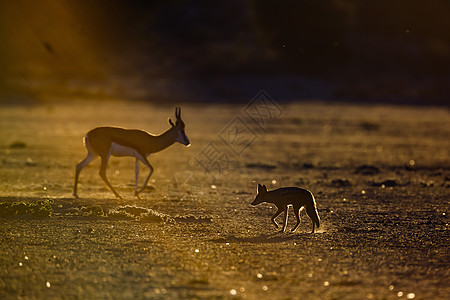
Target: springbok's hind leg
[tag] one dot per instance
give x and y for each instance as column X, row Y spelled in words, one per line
column 136, row 171
column 103, row 176
column 87, row 160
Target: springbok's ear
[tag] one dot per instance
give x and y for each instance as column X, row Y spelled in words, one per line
column 171, row 123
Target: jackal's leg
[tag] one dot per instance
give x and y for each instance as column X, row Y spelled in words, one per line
column 103, row 166
column 285, row 219
column 312, row 214
column 279, row 211
column 297, row 215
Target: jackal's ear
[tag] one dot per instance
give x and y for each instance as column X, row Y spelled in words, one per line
column 171, row 123
column 259, row 188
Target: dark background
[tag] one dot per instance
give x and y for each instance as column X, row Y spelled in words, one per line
column 395, row 51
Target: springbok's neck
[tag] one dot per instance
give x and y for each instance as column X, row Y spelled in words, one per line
column 164, row 140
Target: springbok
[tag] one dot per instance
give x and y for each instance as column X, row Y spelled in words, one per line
column 115, row 141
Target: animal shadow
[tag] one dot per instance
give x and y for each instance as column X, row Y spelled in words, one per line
column 263, row 238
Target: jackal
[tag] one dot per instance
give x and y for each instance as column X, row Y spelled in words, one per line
column 283, row 197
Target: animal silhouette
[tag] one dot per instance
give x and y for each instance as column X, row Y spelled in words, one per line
column 283, row 197
column 115, row 141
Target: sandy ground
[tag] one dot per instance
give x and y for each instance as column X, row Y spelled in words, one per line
column 380, row 175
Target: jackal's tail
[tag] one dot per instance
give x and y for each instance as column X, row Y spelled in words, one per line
column 311, row 210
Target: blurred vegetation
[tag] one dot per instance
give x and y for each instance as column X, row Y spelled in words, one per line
column 132, row 212
column 18, row 145
column 87, row 211
column 361, row 49
column 38, row 209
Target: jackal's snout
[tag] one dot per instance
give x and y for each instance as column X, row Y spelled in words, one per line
column 255, row 201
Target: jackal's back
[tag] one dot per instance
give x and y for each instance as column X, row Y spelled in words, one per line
column 295, row 195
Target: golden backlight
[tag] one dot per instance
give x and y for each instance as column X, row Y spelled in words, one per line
column 46, row 40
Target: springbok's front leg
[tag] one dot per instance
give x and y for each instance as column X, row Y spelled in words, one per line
column 145, row 161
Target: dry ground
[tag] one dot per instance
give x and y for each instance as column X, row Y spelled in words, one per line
column 380, row 174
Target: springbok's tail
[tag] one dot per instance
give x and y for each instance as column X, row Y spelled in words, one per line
column 88, row 145
column 311, row 210
column 85, row 140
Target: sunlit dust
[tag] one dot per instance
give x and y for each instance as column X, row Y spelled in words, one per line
column 51, row 39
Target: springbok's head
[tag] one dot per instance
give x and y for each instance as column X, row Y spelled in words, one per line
column 179, row 127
